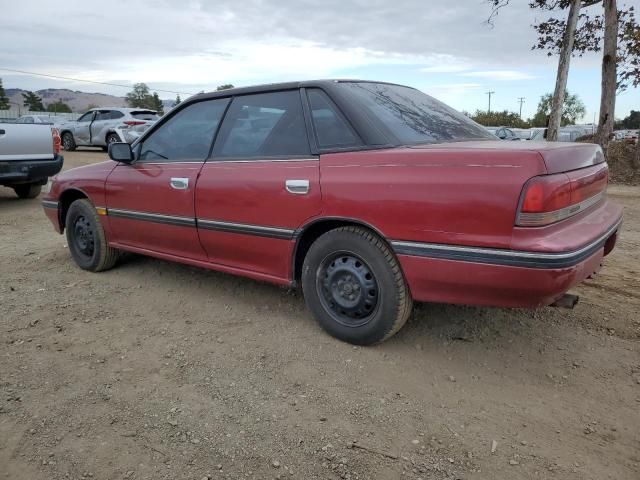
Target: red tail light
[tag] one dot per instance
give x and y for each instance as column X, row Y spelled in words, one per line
column 550, row 198
column 131, row 123
column 57, row 143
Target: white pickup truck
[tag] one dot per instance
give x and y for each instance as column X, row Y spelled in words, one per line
column 29, row 155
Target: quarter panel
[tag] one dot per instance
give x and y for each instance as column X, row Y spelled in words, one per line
column 439, row 195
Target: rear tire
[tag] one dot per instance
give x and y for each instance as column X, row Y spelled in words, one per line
column 29, row 190
column 112, row 138
column 354, row 286
column 68, row 143
column 86, row 239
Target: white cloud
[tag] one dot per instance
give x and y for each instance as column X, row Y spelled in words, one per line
column 443, row 63
column 247, row 62
column 453, row 94
column 499, row 75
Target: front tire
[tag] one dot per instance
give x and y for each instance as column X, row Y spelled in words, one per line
column 68, row 143
column 354, row 286
column 29, row 190
column 86, row 239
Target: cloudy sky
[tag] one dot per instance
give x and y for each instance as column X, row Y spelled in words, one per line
column 442, row 48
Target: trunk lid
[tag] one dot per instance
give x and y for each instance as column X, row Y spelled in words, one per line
column 558, row 157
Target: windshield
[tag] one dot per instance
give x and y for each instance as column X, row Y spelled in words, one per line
column 414, row 117
column 144, row 115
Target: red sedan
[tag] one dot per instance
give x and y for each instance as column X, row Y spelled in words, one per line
column 368, row 195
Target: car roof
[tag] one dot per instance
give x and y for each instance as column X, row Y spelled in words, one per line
column 270, row 87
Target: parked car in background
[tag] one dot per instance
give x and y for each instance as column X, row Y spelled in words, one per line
column 29, row 154
column 102, row 126
column 45, row 119
column 368, row 195
column 631, row 136
column 565, row 134
column 504, row 133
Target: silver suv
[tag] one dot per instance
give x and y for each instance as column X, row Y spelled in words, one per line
column 100, row 127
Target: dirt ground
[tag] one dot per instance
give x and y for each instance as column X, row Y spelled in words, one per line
column 156, row 370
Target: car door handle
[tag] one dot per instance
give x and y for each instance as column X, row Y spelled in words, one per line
column 179, row 183
column 2, row 132
column 297, row 187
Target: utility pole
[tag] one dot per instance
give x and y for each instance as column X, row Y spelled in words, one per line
column 490, row 93
column 521, row 100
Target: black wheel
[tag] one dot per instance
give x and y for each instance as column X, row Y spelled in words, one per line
column 29, row 190
column 354, row 286
column 86, row 238
column 68, row 143
column 112, row 138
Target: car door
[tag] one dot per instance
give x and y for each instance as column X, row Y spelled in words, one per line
column 150, row 203
column 98, row 127
column 82, row 129
column 259, row 186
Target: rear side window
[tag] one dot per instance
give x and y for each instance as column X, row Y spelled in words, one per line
column 115, row 114
column 331, row 129
column 264, row 125
column 144, row 115
column 185, row 136
column 413, row 117
column 103, row 115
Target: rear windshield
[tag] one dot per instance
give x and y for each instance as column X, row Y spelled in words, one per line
column 144, row 115
column 414, row 117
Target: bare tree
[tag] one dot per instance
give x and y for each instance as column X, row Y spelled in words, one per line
column 563, row 71
column 616, row 33
column 609, row 74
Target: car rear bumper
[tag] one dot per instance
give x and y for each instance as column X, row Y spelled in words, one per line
column 504, row 278
column 16, row 172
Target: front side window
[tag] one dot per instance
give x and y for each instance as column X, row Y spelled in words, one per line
column 86, row 117
column 332, row 130
column 411, row 116
column 264, row 125
column 185, row 136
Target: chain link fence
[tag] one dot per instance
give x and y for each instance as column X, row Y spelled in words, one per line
column 12, row 114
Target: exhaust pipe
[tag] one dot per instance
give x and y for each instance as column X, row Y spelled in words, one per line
column 566, row 301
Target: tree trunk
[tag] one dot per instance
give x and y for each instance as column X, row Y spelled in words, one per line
column 563, row 71
column 609, row 74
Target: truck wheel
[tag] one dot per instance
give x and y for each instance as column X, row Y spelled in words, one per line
column 68, row 143
column 29, row 190
column 354, row 286
column 86, row 238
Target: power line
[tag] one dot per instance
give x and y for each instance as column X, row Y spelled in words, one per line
column 489, row 93
column 521, row 100
column 87, row 81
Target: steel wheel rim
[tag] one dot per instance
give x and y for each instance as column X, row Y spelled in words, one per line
column 348, row 289
column 66, row 141
column 83, row 238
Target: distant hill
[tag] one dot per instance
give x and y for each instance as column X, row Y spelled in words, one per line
column 78, row 101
